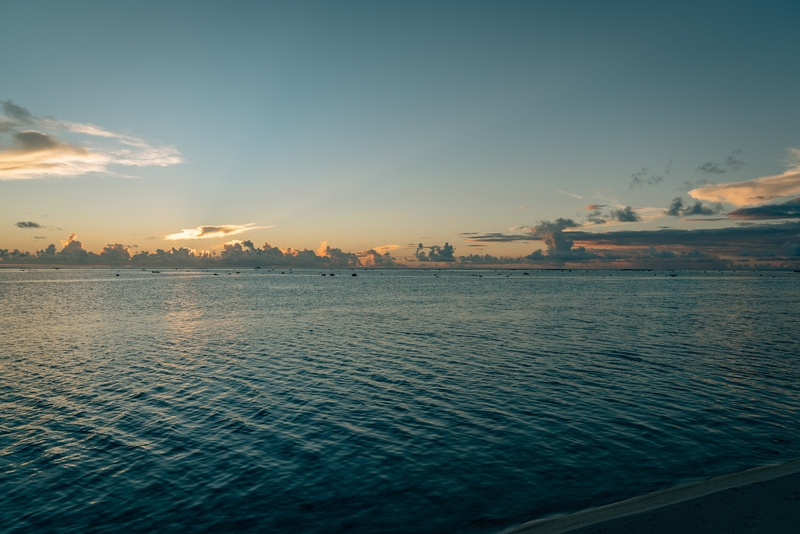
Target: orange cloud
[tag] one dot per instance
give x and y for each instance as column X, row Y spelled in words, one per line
column 72, row 237
column 755, row 191
column 36, row 154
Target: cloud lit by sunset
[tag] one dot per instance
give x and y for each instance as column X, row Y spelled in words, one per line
column 38, row 154
column 751, row 192
column 209, row 232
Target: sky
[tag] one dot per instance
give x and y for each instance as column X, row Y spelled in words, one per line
column 554, row 133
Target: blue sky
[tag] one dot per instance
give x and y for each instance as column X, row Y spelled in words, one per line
column 367, row 124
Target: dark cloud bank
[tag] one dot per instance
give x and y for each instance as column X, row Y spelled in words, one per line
column 716, row 248
column 787, row 210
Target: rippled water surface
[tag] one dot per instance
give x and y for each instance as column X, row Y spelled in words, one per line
column 394, row 401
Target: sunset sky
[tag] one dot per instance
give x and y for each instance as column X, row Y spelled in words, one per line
column 382, row 125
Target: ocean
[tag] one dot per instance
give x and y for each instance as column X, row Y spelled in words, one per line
column 391, row 401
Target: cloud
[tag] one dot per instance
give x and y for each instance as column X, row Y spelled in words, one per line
column 28, row 224
column 561, row 256
column 207, row 232
column 699, row 209
column 711, row 168
column 776, row 245
column 594, row 207
column 487, row 259
column 559, row 243
column 625, row 214
column 375, row 258
column 383, row 249
column 646, row 176
column 787, row 210
column 755, row 191
column 678, row 208
column 243, row 254
column 233, row 254
column 499, row 237
column 115, row 254
column 436, row 253
column 540, row 232
column 791, row 249
column 596, row 217
column 759, row 235
column 552, row 233
column 72, row 237
column 13, row 111
column 675, row 208
column 665, row 248
column 731, row 163
column 73, row 251
column 35, row 154
column 37, row 151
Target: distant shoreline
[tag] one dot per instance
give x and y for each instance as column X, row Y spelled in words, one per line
column 56, row 266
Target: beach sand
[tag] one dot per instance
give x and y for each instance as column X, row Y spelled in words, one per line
column 760, row 500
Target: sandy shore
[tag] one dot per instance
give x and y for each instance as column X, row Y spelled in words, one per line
column 760, row 500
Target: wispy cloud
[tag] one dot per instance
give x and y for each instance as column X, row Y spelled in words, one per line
column 646, row 176
column 756, row 191
column 573, row 195
column 38, row 152
column 731, row 163
column 207, row 232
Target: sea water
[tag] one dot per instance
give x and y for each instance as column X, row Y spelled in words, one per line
column 392, row 401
